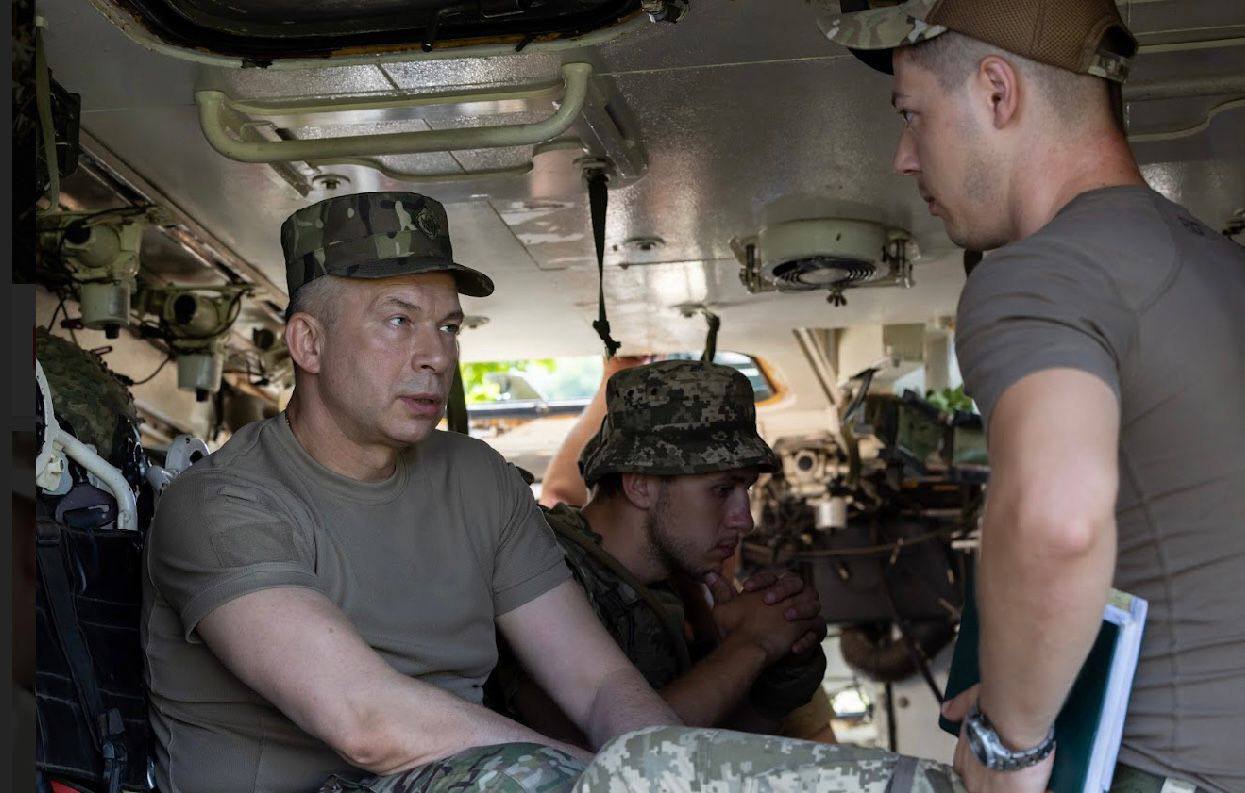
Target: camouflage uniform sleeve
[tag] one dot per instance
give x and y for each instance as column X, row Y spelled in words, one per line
column 784, row 687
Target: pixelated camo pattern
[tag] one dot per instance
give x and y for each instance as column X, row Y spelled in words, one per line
column 372, row 235
column 653, row 640
column 677, row 417
column 504, row 768
column 684, row 760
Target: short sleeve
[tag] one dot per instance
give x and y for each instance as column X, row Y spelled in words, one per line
column 1035, row 307
column 529, row 562
column 213, row 540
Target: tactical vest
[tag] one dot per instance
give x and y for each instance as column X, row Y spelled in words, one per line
column 645, row 621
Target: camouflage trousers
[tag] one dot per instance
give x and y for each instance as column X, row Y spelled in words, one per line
column 683, row 760
column 504, row 768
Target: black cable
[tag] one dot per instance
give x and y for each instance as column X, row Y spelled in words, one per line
column 149, row 377
column 56, row 313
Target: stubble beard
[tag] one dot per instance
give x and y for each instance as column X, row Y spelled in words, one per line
column 667, row 548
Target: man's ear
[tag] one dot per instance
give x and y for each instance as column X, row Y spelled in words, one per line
column 998, row 83
column 304, row 336
column 640, row 490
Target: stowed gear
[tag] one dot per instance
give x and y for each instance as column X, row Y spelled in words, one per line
column 91, row 403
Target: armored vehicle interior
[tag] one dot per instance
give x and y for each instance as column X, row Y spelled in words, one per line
column 750, row 212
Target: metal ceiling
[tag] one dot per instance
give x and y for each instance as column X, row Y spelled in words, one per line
column 747, row 115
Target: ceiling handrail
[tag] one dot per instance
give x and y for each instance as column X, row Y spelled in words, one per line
column 214, row 105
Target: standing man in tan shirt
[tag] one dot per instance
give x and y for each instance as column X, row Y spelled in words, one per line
column 323, row 593
column 1102, row 340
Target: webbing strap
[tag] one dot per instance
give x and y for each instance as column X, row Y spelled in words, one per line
column 904, row 775
column 43, row 103
column 711, row 337
column 598, row 199
column 456, row 407
column 106, row 726
column 594, row 549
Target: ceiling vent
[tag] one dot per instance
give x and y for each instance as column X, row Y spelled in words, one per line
column 828, row 254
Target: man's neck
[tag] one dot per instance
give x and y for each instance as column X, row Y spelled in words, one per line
column 1055, row 174
column 624, row 536
column 332, row 446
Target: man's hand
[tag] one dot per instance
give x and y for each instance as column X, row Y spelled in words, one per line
column 783, row 589
column 979, row 779
column 782, row 619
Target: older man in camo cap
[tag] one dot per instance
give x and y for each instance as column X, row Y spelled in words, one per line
column 669, row 473
column 324, row 592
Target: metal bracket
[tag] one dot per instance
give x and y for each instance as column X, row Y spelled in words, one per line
column 215, row 105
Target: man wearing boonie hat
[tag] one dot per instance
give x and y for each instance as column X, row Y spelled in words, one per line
column 669, row 472
column 324, row 593
column 1102, row 341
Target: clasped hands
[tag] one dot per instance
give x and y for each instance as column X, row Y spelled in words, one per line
column 774, row 611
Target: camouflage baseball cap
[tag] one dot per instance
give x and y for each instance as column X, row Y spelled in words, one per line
column 676, row 417
column 1084, row 36
column 373, row 235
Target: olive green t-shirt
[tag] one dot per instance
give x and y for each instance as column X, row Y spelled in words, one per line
column 422, row 564
column 1131, row 288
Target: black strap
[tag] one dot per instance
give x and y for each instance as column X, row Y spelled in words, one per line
column 106, row 726
column 711, row 337
column 915, row 654
column 456, row 408
column 598, row 199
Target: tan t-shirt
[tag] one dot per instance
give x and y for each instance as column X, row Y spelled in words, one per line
column 1129, row 287
column 421, row 564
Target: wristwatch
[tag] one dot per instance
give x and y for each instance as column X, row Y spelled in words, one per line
column 993, row 754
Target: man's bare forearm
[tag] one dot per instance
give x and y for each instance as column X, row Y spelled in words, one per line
column 714, row 688
column 562, row 483
column 416, row 723
column 1041, row 594
column 624, row 702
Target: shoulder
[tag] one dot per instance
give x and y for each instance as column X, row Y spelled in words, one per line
column 1113, row 245
column 581, row 546
column 565, row 519
column 239, row 481
column 458, row 450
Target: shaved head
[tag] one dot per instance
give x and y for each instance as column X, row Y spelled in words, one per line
column 1073, row 98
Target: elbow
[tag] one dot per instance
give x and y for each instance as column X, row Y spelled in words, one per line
column 1063, row 534
column 365, row 741
column 364, row 750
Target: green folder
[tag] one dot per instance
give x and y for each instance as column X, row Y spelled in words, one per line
column 1089, row 727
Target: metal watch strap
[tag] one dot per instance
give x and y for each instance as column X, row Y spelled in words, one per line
column 994, row 754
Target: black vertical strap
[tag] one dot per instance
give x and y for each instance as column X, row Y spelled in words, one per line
column 598, row 198
column 106, row 726
column 47, row 125
column 711, row 337
column 456, row 407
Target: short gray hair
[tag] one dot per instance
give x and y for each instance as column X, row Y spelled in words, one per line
column 318, row 297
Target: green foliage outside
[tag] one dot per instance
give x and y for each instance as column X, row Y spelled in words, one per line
column 949, row 400
column 553, row 378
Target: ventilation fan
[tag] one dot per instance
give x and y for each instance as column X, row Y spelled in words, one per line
column 829, row 254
